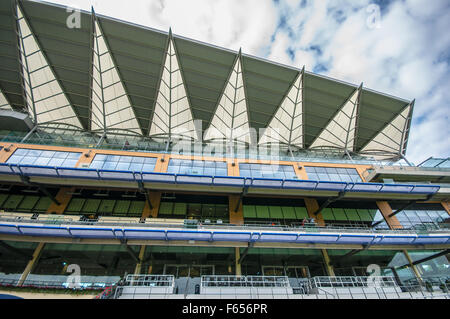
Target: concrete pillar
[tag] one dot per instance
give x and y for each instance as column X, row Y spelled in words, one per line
column 413, row 267
column 32, row 263
column 63, row 197
column 137, row 270
column 328, row 266
column 237, row 254
column 312, row 206
column 386, row 210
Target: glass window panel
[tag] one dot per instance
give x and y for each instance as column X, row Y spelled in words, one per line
column 135, row 167
column 73, row 155
column 56, row 162
column 96, row 164
column 34, row 153
column 122, row 166
column 28, row 160
column 69, row 163
column 15, row 159
column 148, row 167
column 109, row 165
column 62, row 155
column 21, row 151
column 151, row 160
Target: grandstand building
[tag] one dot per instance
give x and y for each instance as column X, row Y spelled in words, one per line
column 186, row 170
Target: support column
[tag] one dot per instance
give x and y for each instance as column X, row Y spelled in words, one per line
column 31, row 264
column 6, row 152
column 237, row 254
column 386, row 210
column 312, row 206
column 446, row 206
column 63, row 197
column 300, row 172
column 137, row 270
column 86, row 158
column 155, row 200
column 237, row 217
column 328, row 266
column 162, row 163
column 413, row 267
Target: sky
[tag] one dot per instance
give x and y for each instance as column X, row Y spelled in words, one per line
column 398, row 47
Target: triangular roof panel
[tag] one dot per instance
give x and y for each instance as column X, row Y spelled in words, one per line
column 111, row 107
column 46, row 101
column 172, row 113
column 230, row 120
column 393, row 137
column 341, row 130
column 286, row 126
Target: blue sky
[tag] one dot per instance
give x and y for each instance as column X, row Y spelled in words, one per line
column 398, row 47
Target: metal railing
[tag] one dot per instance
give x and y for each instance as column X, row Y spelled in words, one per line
column 149, row 280
column 245, row 281
column 432, row 228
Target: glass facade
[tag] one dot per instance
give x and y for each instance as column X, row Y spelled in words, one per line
column 23, row 156
column 267, row 171
column 437, row 162
column 411, row 218
column 333, row 174
column 124, row 163
column 191, row 167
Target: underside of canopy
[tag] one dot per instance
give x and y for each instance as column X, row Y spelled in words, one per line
column 111, row 76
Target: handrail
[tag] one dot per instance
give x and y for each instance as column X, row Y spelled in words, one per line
column 138, row 176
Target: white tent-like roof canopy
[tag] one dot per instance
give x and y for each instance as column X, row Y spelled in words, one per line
column 112, row 76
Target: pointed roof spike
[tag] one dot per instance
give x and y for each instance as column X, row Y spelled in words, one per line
column 340, row 130
column 392, row 137
column 286, row 125
column 111, row 107
column 44, row 96
column 230, row 119
column 172, row 114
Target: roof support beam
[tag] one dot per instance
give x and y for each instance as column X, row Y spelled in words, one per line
column 147, row 198
column 328, row 202
column 406, row 206
column 244, row 192
column 442, row 253
column 245, row 252
column 43, row 189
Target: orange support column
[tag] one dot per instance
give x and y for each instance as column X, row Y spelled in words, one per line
column 386, row 210
column 312, row 206
column 236, row 217
column 300, row 172
column 446, row 206
column 155, row 200
column 63, row 197
column 162, row 163
column 86, row 158
column 6, row 152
